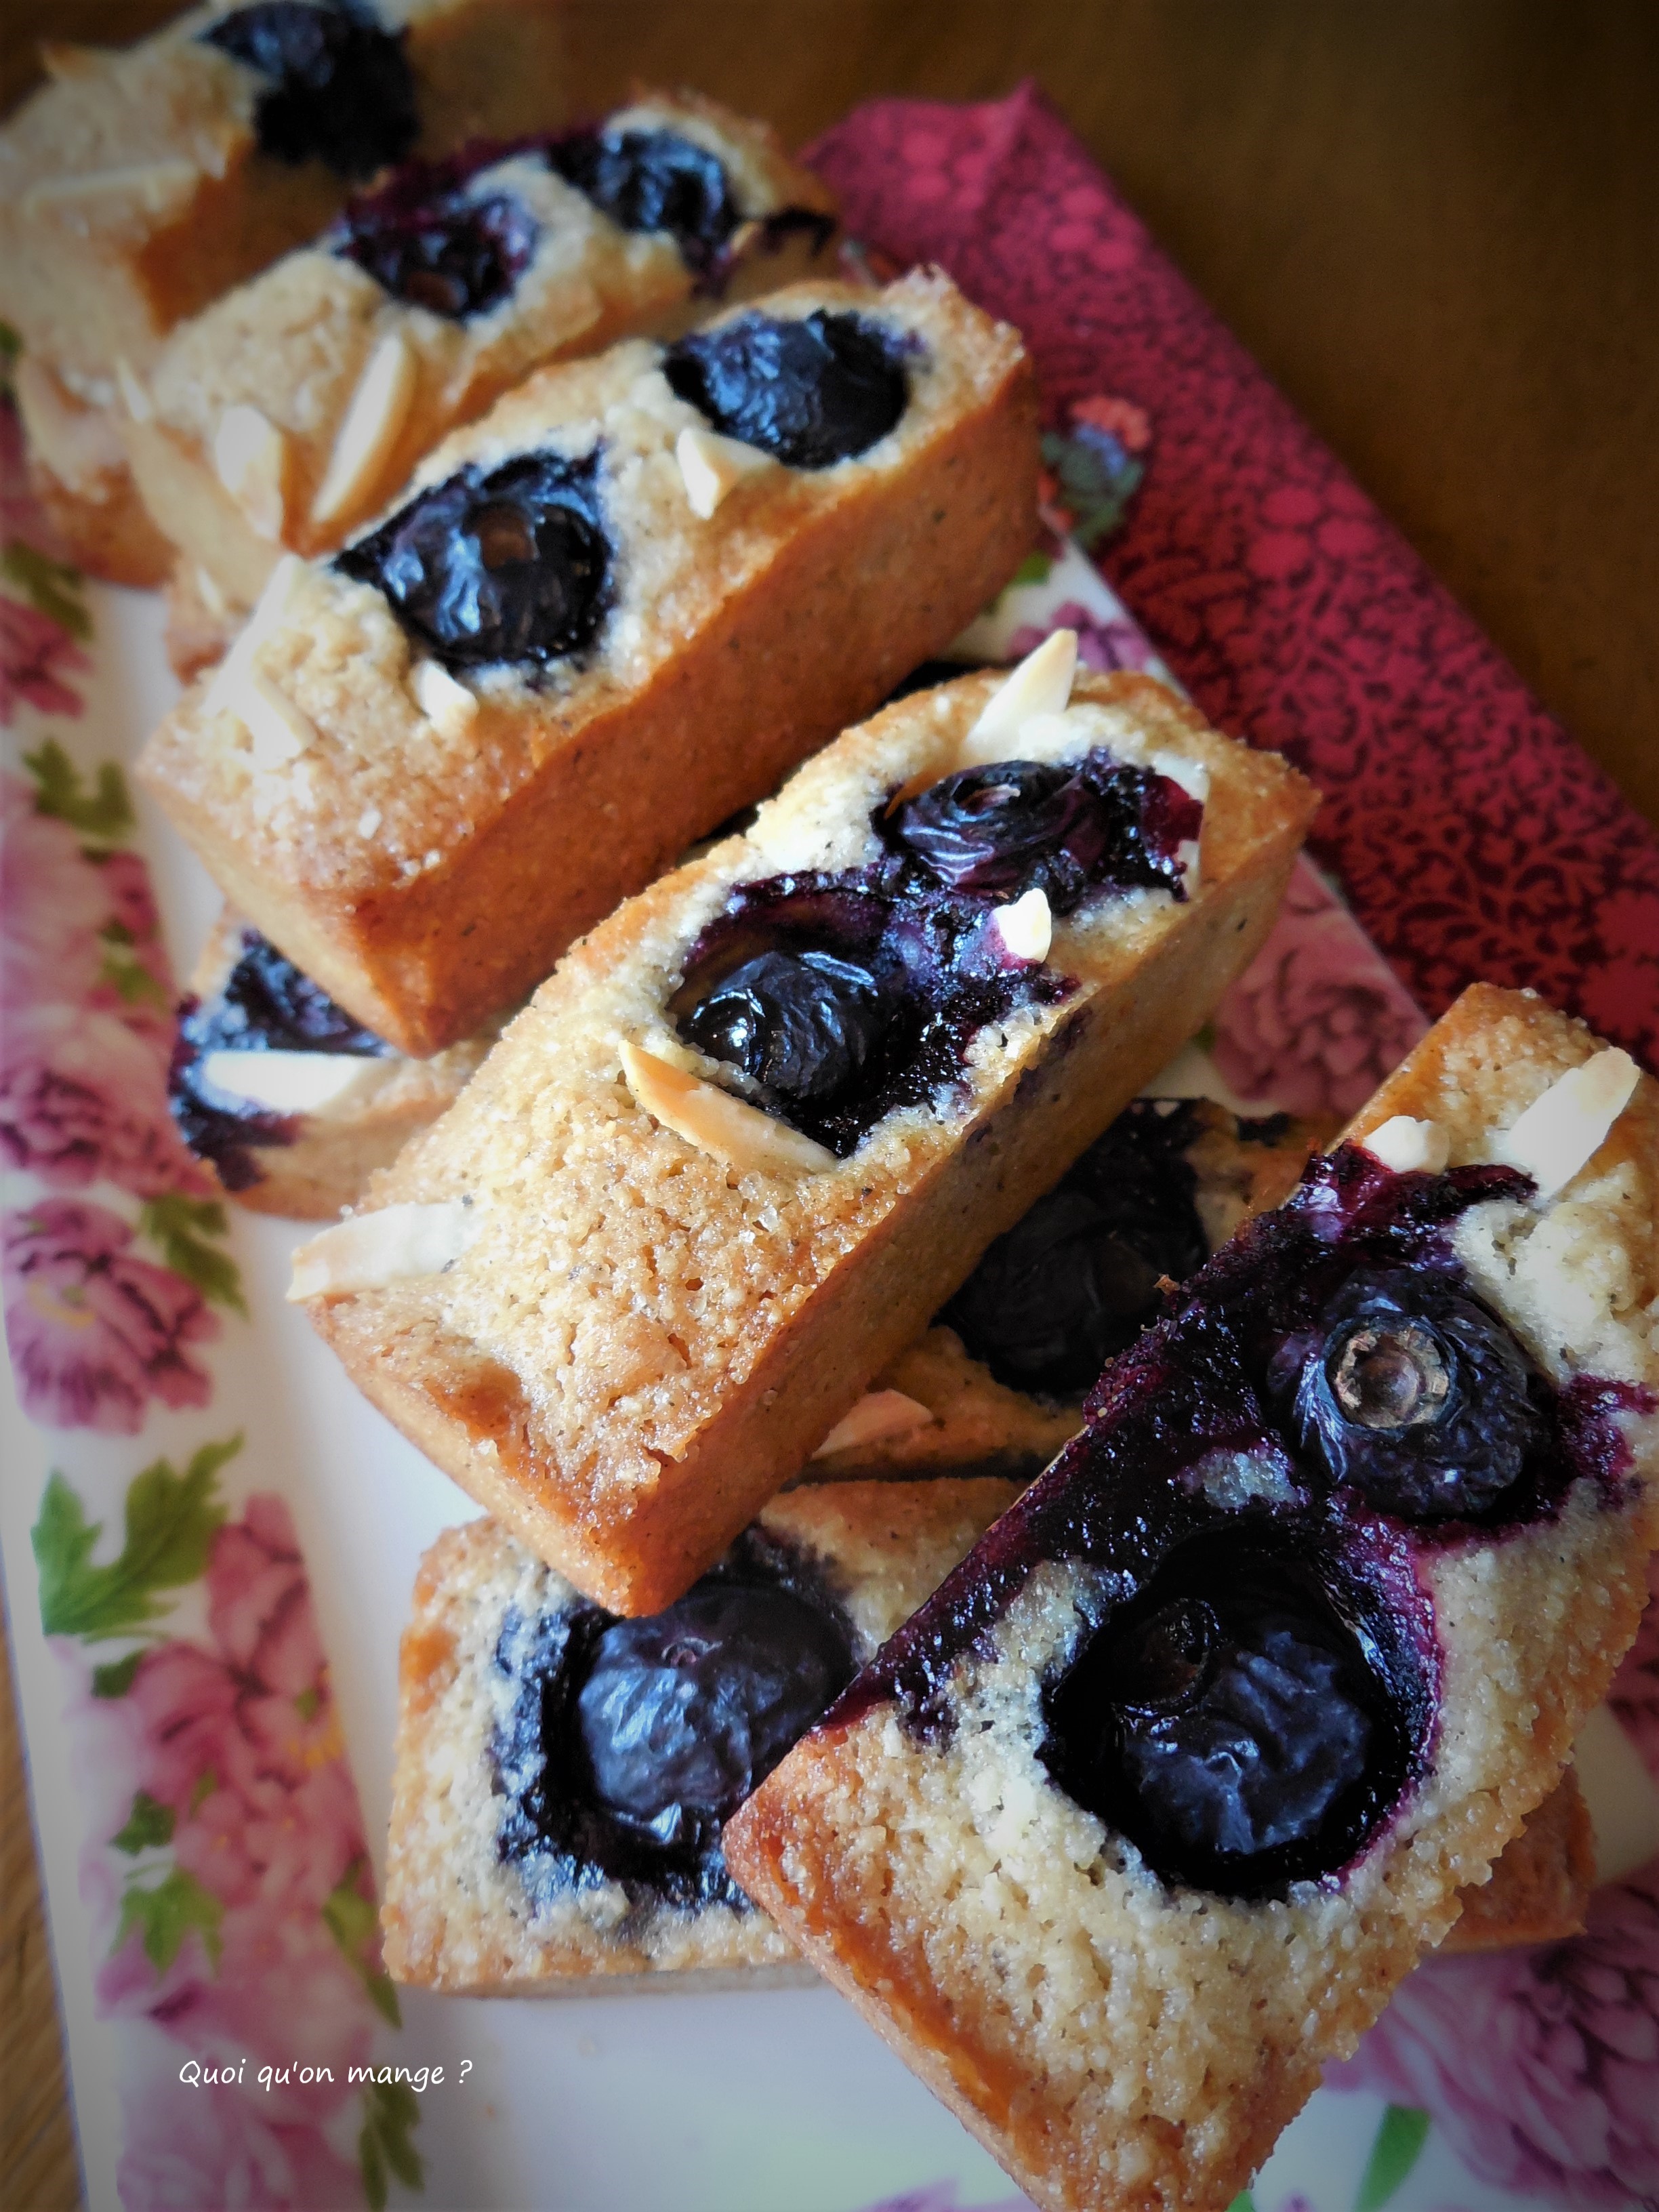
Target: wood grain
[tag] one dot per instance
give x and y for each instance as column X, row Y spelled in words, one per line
column 1435, row 223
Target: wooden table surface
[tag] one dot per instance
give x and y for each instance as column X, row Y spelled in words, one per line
column 1435, row 222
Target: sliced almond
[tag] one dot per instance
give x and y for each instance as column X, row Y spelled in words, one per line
column 281, row 731
column 877, row 1415
column 1026, row 926
column 266, row 617
column 711, row 466
column 152, row 185
column 727, row 1128
column 207, row 590
column 1042, row 684
column 448, row 706
column 1189, row 859
column 251, row 456
column 1409, row 1147
column 288, row 1082
column 368, row 1251
column 135, row 394
column 1561, row 1132
column 363, row 445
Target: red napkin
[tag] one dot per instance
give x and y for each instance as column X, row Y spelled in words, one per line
column 1473, row 836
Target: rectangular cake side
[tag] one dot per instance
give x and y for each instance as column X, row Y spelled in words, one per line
column 626, row 1380
column 427, row 873
column 1119, row 2040
column 469, row 1909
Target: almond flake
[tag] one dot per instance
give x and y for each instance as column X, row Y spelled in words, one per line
column 288, row 1082
column 1189, row 859
column 227, row 679
column 363, row 445
column 1042, row 684
column 448, row 706
column 207, row 590
column 1409, row 1147
column 711, row 466
column 152, row 184
column 281, row 731
column 1026, row 926
column 1562, row 1131
column 727, row 1128
column 251, row 456
column 135, row 394
column 367, row 1251
column 876, row 1416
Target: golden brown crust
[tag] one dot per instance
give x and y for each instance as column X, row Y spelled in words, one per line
column 639, row 1375
column 1114, row 2042
column 192, row 206
column 295, row 341
column 104, row 527
column 739, row 643
column 456, row 1918
column 1541, row 1883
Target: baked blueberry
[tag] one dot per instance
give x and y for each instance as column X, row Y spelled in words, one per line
column 846, row 998
column 341, row 89
column 510, row 564
column 1076, row 1280
column 628, row 1741
column 1418, row 1397
column 803, row 1023
column 423, row 241
column 653, row 180
column 1232, row 1722
column 1019, row 825
column 811, row 391
column 694, row 1707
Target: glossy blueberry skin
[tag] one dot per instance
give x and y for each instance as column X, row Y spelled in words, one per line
column 1022, row 825
column 1076, row 1280
column 811, row 391
column 648, row 181
column 939, row 972
column 1232, row 1721
column 627, row 1742
column 424, row 240
column 512, row 565
column 341, row 89
column 1471, row 1447
column 694, row 1707
column 802, row 1023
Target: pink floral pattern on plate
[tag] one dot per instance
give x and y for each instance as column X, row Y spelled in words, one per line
column 1541, row 2065
column 226, row 1867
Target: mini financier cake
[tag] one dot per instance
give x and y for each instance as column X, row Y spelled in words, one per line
column 293, row 409
column 136, row 186
column 290, row 1103
column 1142, row 1818
column 561, row 1775
column 997, row 1384
column 606, row 617
column 758, row 1127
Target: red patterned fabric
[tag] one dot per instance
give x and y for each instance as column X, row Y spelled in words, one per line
column 1472, row 836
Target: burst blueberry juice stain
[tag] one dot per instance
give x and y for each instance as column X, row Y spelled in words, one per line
column 1285, row 1638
